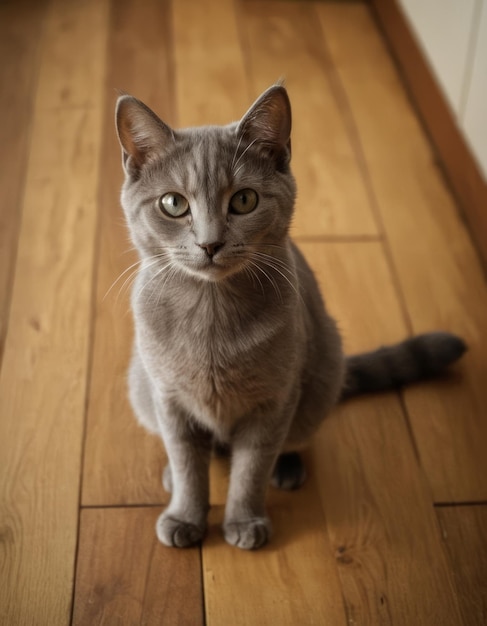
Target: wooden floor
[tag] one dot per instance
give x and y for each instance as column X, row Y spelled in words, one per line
column 391, row 527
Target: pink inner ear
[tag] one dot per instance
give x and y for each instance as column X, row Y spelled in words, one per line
column 269, row 118
column 125, row 129
column 141, row 133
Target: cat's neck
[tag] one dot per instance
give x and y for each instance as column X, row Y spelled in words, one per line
column 243, row 294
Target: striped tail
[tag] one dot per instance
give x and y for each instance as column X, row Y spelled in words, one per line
column 390, row 367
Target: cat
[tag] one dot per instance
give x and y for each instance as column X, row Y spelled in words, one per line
column 233, row 343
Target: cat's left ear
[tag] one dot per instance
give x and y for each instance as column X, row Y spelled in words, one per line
column 141, row 133
column 268, row 124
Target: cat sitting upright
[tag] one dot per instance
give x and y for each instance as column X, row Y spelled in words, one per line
column 233, row 343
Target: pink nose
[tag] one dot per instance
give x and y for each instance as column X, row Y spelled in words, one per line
column 211, row 248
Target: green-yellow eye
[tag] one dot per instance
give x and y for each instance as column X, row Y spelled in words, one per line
column 173, row 204
column 244, row 201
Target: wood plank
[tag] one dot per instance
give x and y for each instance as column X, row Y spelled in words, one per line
column 380, row 521
column 75, row 36
column 125, row 576
column 43, row 379
column 292, row 580
column 123, row 464
column 438, row 269
column 211, row 84
column 464, row 530
column 44, row 371
column 457, row 158
column 20, row 28
column 332, row 195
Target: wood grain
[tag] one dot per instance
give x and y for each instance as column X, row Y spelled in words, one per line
column 75, row 41
column 123, row 464
column 44, row 371
column 125, row 576
column 211, row 85
column 433, row 257
column 43, row 379
column 332, row 196
column 461, row 166
column 291, row 581
column 20, row 28
column 464, row 530
column 380, row 521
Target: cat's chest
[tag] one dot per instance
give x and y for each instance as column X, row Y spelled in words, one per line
column 218, row 365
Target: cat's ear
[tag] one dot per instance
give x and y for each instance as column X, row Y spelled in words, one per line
column 268, row 124
column 141, row 133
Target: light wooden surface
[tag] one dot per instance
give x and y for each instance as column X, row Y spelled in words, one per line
column 19, row 43
column 458, row 160
column 430, row 252
column 127, row 577
column 464, row 532
column 332, row 197
column 363, row 456
column 44, row 372
column 133, row 457
column 80, row 485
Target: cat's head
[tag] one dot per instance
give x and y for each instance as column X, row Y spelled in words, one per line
column 208, row 200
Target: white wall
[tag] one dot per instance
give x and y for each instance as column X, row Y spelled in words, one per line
column 474, row 116
column 453, row 35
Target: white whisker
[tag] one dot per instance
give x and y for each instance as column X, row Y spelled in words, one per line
column 235, row 153
column 269, row 278
column 249, row 270
column 243, row 153
column 119, row 277
column 153, row 277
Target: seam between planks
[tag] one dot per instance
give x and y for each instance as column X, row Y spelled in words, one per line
column 346, row 109
column 93, row 309
column 444, row 505
column 131, row 505
column 330, row 239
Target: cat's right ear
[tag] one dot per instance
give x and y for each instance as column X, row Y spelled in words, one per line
column 141, row 133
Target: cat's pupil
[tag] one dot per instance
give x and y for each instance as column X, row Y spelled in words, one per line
column 174, row 204
column 243, row 201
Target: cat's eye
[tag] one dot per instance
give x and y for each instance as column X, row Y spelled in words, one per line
column 244, row 201
column 173, row 204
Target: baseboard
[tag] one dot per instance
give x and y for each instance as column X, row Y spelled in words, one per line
column 455, row 155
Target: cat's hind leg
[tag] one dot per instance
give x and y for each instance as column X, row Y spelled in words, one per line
column 289, row 472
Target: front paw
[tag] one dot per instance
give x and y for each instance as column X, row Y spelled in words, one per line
column 248, row 534
column 174, row 532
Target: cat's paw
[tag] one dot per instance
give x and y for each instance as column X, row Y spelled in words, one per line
column 167, row 478
column 289, row 472
column 248, row 534
column 177, row 533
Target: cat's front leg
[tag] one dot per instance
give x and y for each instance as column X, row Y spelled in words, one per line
column 188, row 447
column 254, row 454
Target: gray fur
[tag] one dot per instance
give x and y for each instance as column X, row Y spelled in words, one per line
column 390, row 367
column 232, row 339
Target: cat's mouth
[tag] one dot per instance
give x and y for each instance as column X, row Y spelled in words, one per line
column 213, row 268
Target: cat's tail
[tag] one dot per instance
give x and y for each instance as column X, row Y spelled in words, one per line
column 390, row 367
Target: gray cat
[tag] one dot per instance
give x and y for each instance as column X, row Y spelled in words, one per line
column 233, row 343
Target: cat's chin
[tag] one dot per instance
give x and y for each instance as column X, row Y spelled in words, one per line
column 212, row 273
